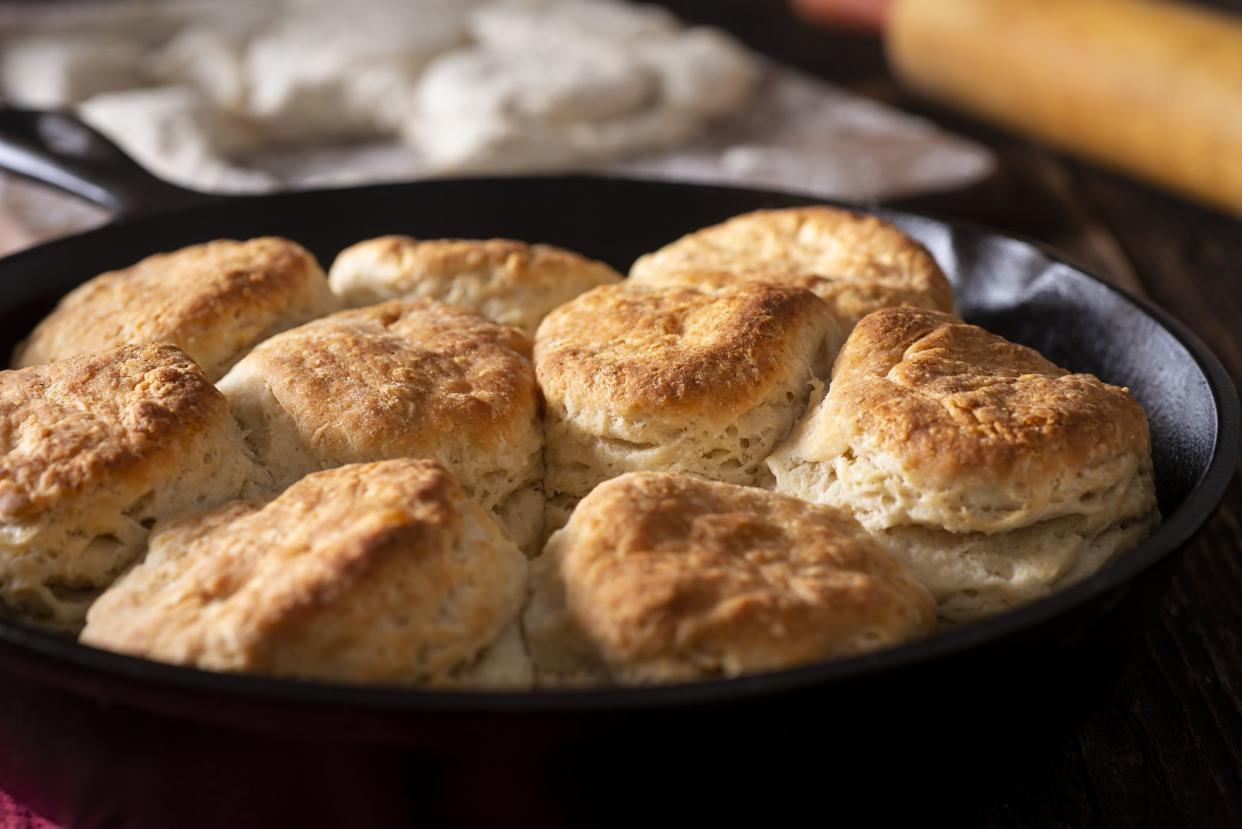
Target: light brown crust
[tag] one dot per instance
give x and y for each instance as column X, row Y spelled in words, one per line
column 994, row 474
column 674, row 350
column 521, row 264
column 512, row 282
column 957, row 403
column 855, row 263
column 99, row 420
column 401, row 377
column 675, row 577
column 213, row 301
column 369, row 572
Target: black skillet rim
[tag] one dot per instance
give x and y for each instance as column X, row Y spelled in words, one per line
column 1175, row 531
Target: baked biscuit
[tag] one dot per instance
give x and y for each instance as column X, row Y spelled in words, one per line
column 994, row 474
column 855, row 263
column 666, row 578
column 407, row 378
column 676, row 379
column 213, row 301
column 510, row 282
column 93, row 450
column 379, row 573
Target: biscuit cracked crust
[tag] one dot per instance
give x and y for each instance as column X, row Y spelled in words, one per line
column 663, row 578
column 214, row 301
column 399, row 379
column 513, row 283
column 399, row 458
column 938, row 435
column 381, row 573
column 93, row 450
column 677, row 379
column 855, row 263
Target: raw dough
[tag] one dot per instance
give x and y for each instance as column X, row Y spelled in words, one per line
column 537, row 24
column 53, row 70
column 334, row 72
column 574, row 82
column 330, row 88
column 178, row 135
column 483, row 109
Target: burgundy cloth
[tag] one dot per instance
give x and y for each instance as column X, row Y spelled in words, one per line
column 15, row 816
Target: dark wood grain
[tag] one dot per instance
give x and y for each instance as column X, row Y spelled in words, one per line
column 1163, row 745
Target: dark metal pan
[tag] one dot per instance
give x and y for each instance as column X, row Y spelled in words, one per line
column 93, row 738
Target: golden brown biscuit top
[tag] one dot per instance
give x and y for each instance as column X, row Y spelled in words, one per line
column 183, row 297
column 657, row 565
column 404, row 374
column 242, row 586
column 854, row 262
column 519, row 263
column 640, row 349
column 96, row 420
column 952, row 399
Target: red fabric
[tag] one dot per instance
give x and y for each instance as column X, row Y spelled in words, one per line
column 16, row 816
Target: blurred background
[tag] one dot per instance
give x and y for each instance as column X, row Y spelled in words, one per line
column 853, row 99
column 237, row 96
column 1109, row 129
column 223, row 94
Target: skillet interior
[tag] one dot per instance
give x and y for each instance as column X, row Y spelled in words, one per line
column 1009, row 286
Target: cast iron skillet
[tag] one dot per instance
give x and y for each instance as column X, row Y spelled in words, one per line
column 93, row 736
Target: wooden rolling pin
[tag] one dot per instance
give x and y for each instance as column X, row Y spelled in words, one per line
column 1146, row 86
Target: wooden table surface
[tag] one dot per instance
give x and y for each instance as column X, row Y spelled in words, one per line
column 1163, row 747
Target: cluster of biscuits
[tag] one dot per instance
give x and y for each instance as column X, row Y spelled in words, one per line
column 491, row 464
